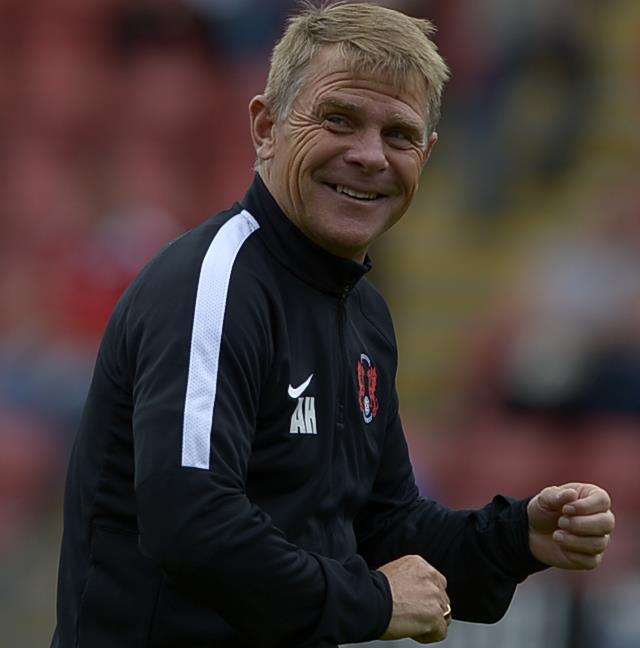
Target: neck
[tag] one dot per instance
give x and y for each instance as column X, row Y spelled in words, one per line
column 354, row 255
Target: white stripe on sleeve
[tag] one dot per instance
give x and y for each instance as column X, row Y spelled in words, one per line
column 208, row 319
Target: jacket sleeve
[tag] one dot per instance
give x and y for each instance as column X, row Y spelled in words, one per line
column 197, row 391
column 483, row 554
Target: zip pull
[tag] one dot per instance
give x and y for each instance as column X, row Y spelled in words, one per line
column 345, row 291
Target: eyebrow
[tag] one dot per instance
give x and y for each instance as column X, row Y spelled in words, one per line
column 338, row 104
column 413, row 127
column 398, row 120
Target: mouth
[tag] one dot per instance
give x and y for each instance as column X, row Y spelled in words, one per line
column 354, row 194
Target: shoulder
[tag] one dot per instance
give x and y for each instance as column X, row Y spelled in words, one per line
column 206, row 260
column 209, row 279
column 211, row 249
column 210, row 273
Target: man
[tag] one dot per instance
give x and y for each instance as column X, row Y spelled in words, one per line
column 241, row 476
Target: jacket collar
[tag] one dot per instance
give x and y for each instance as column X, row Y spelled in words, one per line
column 297, row 252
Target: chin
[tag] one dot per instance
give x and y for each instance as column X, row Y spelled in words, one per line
column 345, row 233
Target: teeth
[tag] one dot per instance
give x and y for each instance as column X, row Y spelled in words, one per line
column 356, row 194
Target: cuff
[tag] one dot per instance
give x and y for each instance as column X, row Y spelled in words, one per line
column 386, row 604
column 358, row 602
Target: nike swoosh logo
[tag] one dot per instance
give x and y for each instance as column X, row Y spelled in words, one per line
column 294, row 392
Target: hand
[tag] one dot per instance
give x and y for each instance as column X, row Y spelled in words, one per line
column 570, row 525
column 419, row 600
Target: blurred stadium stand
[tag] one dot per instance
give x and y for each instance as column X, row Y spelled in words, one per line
column 514, row 280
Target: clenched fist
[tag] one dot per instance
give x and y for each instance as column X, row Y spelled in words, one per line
column 420, row 600
column 570, row 525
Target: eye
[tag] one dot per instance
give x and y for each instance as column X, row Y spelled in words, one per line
column 399, row 138
column 337, row 122
column 397, row 134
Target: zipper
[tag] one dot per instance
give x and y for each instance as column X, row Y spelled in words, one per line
column 342, row 355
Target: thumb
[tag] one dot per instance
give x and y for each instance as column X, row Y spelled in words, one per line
column 553, row 498
column 546, row 507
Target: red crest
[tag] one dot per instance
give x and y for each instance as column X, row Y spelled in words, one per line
column 367, row 384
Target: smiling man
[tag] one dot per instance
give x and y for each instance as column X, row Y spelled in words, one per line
column 240, row 476
column 345, row 163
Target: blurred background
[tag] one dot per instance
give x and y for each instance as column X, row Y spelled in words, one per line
column 514, row 280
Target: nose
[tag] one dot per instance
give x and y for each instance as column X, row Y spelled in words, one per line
column 367, row 152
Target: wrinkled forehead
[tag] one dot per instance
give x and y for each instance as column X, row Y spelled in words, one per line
column 341, row 61
column 331, row 70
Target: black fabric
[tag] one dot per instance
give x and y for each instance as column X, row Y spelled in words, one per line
column 277, row 541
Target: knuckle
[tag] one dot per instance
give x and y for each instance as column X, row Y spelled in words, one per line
column 428, row 588
column 419, row 561
column 431, row 572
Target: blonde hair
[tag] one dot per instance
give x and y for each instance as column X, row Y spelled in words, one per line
column 370, row 38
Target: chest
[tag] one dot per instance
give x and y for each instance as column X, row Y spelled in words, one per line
column 323, row 413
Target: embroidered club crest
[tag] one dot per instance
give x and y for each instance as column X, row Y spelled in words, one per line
column 367, row 383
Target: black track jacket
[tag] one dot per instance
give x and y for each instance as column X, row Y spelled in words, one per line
column 241, row 471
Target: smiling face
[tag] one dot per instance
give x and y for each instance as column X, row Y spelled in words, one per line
column 345, row 163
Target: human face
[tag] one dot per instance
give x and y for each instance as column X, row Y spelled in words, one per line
column 346, row 162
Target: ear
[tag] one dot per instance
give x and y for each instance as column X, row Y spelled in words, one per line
column 262, row 127
column 433, row 138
